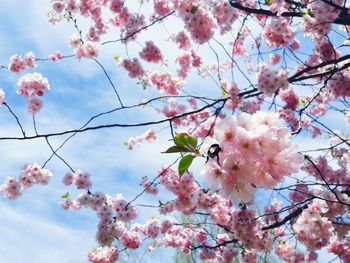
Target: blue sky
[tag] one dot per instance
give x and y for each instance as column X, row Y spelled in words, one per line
column 35, row 228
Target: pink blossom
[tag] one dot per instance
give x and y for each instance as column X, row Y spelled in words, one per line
column 82, row 180
column 312, row 228
column 58, row 6
column 339, row 84
column 75, row 41
column 29, row 60
column 11, row 188
column 149, row 187
column 161, row 7
column 69, row 178
column 152, row 228
column 290, row 98
column 133, row 67
column 270, row 80
column 54, row 57
column 327, row 51
column 295, row 45
column 251, row 155
column 319, row 24
column 87, row 50
column 133, row 25
column 185, row 65
column 85, row 200
column 151, row 53
column 275, row 59
column 340, row 247
column 225, row 15
column 197, row 21
column 116, row 6
column 130, row 240
column 148, row 136
column 2, row 96
column 34, row 105
column 32, row 84
column 183, row 40
column 279, row 32
column 31, row 174
column 104, row 255
column 166, row 83
column 17, row 63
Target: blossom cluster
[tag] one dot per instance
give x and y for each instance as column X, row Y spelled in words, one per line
column 166, row 83
column 256, row 152
column 149, row 136
column 270, row 80
column 321, row 170
column 161, row 7
column 87, row 50
column 133, row 67
column 225, row 15
column 31, row 174
column 112, row 212
column 279, row 33
column 326, row 50
column 251, row 150
column 341, row 248
column 17, row 63
column 56, row 56
column 149, row 187
column 339, row 85
column 313, row 229
column 318, row 22
column 198, row 124
column 133, row 25
column 79, row 178
column 198, row 21
column 104, row 255
column 186, row 61
column 182, row 40
column 151, row 53
column 30, row 85
column 288, row 253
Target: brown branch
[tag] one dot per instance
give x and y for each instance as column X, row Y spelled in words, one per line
column 289, row 217
column 114, row 124
column 310, row 68
column 139, row 30
column 342, row 19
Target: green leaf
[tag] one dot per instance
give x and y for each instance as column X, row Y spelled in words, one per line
column 179, row 139
column 192, row 141
column 116, row 58
column 177, row 149
column 65, row 196
column 224, row 93
column 185, row 163
column 183, row 139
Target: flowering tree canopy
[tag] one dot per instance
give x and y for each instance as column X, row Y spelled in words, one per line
column 244, row 103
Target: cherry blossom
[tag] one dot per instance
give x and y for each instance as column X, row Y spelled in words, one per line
column 2, row 96
column 270, row 80
column 233, row 181
column 265, row 145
